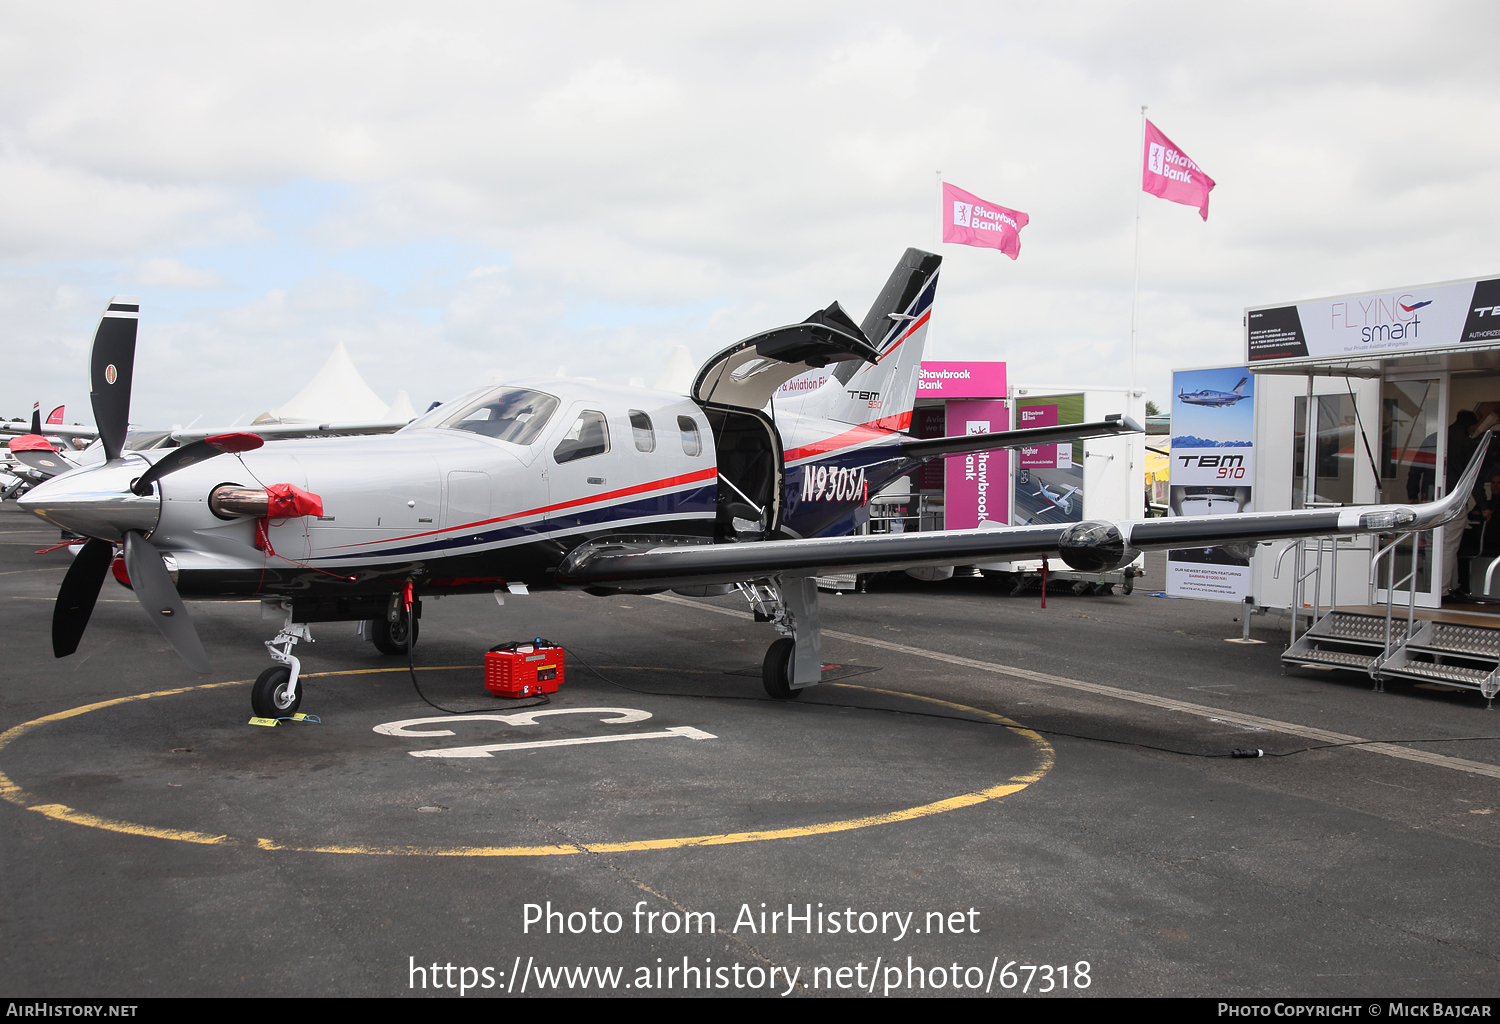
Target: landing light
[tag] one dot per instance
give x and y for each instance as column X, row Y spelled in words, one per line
column 1388, row 520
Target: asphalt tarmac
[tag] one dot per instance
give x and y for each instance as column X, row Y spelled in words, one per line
column 982, row 783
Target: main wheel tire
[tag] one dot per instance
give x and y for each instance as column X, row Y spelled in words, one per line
column 390, row 637
column 269, row 697
column 776, row 670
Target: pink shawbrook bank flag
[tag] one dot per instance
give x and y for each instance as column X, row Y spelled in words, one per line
column 969, row 220
column 1167, row 172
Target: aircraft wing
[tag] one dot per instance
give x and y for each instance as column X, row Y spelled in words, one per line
column 270, row 431
column 1089, row 546
column 50, row 429
column 1110, row 426
column 282, row 431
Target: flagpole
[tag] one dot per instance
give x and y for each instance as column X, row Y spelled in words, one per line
column 1135, row 287
column 937, row 240
column 937, row 220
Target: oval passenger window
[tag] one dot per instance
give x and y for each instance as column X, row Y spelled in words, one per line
column 692, row 444
column 640, row 427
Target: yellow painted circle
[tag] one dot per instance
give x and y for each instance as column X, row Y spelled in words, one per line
column 16, row 795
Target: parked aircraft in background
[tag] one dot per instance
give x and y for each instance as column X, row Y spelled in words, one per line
column 561, row 483
column 1210, row 397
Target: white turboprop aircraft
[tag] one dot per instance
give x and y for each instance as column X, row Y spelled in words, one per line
column 1215, row 399
column 558, row 483
column 1062, row 502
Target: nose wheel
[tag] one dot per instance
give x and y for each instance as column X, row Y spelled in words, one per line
column 273, row 696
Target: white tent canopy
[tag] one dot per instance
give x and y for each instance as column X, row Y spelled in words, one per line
column 401, row 410
column 336, row 394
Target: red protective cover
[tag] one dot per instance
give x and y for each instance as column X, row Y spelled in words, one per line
column 524, row 672
column 288, row 500
column 240, row 442
column 31, row 443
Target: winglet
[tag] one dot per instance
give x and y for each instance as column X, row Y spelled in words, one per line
column 1433, row 513
column 1453, row 504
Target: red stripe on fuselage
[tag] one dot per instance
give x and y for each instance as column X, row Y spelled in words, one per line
column 865, row 432
column 860, row 435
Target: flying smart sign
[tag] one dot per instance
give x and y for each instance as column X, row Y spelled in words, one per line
column 1397, row 320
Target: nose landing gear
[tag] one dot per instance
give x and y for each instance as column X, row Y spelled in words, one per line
column 275, row 693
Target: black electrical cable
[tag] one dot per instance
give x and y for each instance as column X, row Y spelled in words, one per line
column 1234, row 754
column 411, row 641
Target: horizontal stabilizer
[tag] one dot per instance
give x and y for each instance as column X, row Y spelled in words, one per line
column 1112, row 426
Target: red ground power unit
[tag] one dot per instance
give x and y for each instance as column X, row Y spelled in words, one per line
column 523, row 668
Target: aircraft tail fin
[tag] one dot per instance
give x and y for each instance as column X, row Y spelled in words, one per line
column 36, row 418
column 883, row 393
column 1239, row 388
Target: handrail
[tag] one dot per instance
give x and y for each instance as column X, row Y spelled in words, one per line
column 1276, row 573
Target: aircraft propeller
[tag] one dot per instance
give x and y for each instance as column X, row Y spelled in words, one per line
column 111, row 368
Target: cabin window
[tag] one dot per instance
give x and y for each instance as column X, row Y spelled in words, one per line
column 640, row 428
column 506, row 414
column 588, row 436
column 692, row 441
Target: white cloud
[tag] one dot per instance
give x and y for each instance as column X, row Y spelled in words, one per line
column 169, row 273
column 633, row 177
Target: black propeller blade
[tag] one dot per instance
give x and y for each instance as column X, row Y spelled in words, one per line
column 76, row 597
column 153, row 587
column 111, row 367
column 195, row 452
column 48, row 462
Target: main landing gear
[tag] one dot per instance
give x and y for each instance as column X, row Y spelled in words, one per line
column 796, row 660
column 399, row 629
column 395, row 637
column 776, row 670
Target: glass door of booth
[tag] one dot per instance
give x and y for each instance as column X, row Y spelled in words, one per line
column 1412, row 448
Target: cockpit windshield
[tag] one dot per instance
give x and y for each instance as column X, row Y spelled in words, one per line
column 506, row 414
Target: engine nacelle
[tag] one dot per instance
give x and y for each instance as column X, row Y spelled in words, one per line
column 1095, row 547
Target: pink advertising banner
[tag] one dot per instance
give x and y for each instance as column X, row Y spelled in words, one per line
column 969, row 220
column 976, row 484
column 1167, row 172
column 961, row 380
column 1042, row 456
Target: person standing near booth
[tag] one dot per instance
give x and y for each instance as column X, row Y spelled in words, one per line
column 1461, row 448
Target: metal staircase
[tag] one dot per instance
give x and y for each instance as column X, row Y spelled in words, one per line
column 1348, row 640
column 1385, row 646
column 1445, row 652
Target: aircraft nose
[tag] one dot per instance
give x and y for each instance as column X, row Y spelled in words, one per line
column 96, row 501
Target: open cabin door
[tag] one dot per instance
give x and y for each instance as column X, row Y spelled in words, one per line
column 752, row 476
column 735, row 386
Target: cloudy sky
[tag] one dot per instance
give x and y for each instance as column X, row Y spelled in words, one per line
column 464, row 191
